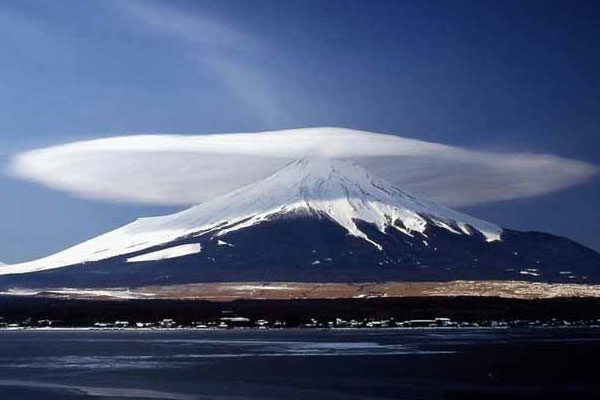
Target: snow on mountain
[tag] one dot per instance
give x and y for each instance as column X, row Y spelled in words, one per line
column 165, row 254
column 335, row 188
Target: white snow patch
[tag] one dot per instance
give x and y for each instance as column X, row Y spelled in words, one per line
column 115, row 293
column 445, row 226
column 260, row 287
column 526, row 272
column 464, row 228
column 20, row 292
column 171, row 252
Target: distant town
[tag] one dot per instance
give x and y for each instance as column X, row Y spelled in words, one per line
column 376, row 313
column 238, row 322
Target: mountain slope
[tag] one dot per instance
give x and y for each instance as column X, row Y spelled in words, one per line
column 314, row 220
column 338, row 189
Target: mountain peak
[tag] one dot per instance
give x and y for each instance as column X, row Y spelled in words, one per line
column 325, row 167
column 316, row 171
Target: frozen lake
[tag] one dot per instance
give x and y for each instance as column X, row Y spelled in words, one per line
column 301, row 364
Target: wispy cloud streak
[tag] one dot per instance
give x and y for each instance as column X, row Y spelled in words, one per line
column 228, row 53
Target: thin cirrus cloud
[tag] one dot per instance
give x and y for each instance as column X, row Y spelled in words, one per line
column 229, row 54
column 192, row 28
column 184, row 170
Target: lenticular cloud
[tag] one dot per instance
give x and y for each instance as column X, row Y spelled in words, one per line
column 183, row 170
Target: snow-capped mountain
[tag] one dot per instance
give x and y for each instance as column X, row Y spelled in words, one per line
column 318, row 219
column 337, row 189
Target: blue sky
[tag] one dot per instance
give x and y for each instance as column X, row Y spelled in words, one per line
column 488, row 75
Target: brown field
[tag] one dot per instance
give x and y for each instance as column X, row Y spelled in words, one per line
column 297, row 290
column 301, row 290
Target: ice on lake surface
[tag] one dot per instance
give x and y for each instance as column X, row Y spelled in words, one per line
column 300, row 364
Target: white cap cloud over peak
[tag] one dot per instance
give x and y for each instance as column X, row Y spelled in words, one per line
column 190, row 169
